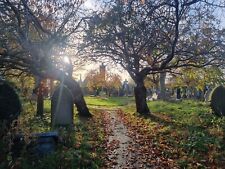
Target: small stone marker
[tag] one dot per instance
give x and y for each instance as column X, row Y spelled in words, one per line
column 62, row 107
column 41, row 144
column 155, row 96
column 44, row 143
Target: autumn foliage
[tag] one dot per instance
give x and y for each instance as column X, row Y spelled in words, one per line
column 107, row 82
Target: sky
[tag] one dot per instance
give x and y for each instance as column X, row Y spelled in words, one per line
column 92, row 4
column 95, row 66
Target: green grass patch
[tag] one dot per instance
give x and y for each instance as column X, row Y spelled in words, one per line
column 108, row 101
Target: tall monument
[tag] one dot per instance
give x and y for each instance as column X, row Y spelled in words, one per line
column 103, row 71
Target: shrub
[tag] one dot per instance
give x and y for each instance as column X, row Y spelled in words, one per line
column 218, row 101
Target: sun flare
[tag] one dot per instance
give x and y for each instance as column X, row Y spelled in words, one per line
column 66, row 59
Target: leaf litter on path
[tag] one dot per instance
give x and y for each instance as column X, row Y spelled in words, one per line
column 128, row 146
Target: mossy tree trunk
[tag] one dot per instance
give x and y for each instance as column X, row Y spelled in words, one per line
column 78, row 97
column 40, row 104
column 140, row 97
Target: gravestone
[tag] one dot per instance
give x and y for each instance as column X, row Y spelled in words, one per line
column 43, row 143
column 207, row 95
column 62, row 107
column 178, row 93
column 154, row 96
column 10, row 106
column 40, row 144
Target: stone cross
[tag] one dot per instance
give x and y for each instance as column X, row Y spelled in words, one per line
column 62, row 107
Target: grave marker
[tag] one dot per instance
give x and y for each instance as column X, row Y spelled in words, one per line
column 62, row 107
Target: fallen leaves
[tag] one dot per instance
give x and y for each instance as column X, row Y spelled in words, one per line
column 145, row 145
column 138, row 150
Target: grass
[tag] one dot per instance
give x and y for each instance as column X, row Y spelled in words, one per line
column 192, row 135
column 78, row 148
column 108, row 101
column 186, row 132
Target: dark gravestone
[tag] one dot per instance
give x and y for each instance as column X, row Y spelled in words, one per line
column 62, row 107
column 10, row 106
column 217, row 101
column 178, row 93
column 41, row 144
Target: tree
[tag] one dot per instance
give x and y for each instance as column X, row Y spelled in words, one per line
column 153, row 37
column 109, row 82
column 199, row 78
column 113, row 83
column 34, row 33
column 95, row 82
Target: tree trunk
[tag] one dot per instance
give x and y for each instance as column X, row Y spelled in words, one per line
column 73, row 86
column 162, row 79
column 78, row 97
column 140, row 98
column 38, row 90
column 40, row 104
column 51, row 87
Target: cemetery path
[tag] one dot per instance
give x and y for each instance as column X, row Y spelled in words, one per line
column 122, row 149
column 129, row 148
column 118, row 142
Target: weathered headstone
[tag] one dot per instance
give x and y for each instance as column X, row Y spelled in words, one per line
column 207, row 95
column 62, row 107
column 217, row 101
column 44, row 143
column 178, row 93
column 154, row 96
column 40, row 144
column 10, row 106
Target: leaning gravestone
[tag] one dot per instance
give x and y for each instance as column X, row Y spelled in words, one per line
column 10, row 106
column 62, row 107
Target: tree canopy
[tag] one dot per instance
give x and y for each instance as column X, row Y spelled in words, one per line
column 155, row 36
column 34, row 36
column 35, row 33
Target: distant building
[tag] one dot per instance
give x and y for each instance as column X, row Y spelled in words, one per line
column 103, row 71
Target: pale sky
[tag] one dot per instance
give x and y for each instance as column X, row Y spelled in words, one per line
column 95, row 66
column 89, row 4
column 92, row 4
